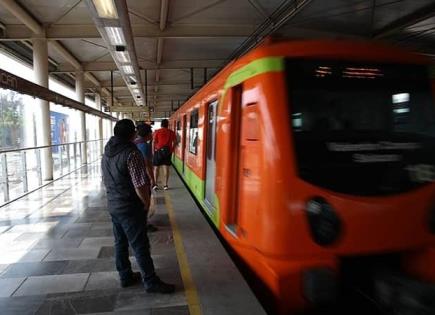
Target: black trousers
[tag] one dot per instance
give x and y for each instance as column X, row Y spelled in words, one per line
column 131, row 230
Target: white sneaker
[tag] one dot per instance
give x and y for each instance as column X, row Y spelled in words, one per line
column 165, row 187
column 155, row 187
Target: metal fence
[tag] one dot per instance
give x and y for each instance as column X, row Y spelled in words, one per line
column 21, row 171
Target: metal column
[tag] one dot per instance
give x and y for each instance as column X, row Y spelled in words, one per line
column 5, row 181
column 100, row 122
column 24, row 170
column 40, row 70
column 80, row 97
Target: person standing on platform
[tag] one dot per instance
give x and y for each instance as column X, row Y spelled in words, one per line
column 128, row 194
column 163, row 144
column 143, row 143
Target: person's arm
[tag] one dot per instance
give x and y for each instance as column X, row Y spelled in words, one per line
column 137, row 170
column 149, row 169
column 143, row 193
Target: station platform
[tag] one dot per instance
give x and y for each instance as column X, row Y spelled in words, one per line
column 56, row 255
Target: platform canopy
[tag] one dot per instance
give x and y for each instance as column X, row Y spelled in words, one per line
column 157, row 53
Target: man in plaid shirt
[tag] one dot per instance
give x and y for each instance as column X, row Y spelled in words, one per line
column 137, row 171
column 128, row 194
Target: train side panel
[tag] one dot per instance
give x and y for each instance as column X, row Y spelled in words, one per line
column 190, row 164
column 260, row 200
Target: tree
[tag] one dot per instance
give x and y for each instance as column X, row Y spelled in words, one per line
column 11, row 118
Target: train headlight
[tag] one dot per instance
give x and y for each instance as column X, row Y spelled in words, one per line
column 325, row 225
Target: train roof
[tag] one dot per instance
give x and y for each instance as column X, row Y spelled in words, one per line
column 320, row 49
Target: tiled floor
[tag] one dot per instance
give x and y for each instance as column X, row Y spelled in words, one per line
column 56, row 255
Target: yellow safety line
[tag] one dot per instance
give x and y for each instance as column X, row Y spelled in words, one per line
column 189, row 286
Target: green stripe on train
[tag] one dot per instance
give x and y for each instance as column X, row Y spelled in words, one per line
column 256, row 67
column 197, row 187
column 252, row 69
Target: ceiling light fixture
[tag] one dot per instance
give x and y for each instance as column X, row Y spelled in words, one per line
column 113, row 23
column 105, row 9
column 127, row 69
column 116, row 37
column 123, row 56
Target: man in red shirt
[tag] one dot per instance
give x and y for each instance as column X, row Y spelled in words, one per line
column 163, row 147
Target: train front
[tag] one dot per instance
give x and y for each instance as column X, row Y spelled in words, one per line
column 360, row 218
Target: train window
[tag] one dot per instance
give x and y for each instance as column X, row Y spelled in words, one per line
column 210, row 147
column 211, row 130
column 361, row 127
column 250, row 123
column 178, row 132
column 333, row 96
column 193, row 132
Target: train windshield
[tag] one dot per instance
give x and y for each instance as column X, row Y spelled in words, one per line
column 362, row 128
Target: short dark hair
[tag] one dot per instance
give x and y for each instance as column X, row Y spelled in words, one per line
column 124, row 129
column 165, row 123
column 144, row 130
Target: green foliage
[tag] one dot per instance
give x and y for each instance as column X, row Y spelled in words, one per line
column 11, row 118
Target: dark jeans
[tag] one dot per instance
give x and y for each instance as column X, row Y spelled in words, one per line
column 132, row 230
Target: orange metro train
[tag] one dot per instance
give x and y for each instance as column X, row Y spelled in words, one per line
column 315, row 160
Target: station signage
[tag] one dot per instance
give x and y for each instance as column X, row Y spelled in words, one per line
column 10, row 81
column 128, row 109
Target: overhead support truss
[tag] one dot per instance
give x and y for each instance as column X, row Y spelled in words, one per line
column 89, row 31
column 406, row 21
column 149, row 65
column 33, row 28
column 283, row 14
column 120, row 85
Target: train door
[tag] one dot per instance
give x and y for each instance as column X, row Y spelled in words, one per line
column 249, row 168
column 210, row 154
column 183, row 146
column 178, row 141
column 232, row 220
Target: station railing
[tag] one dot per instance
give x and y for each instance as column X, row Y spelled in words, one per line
column 21, row 169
